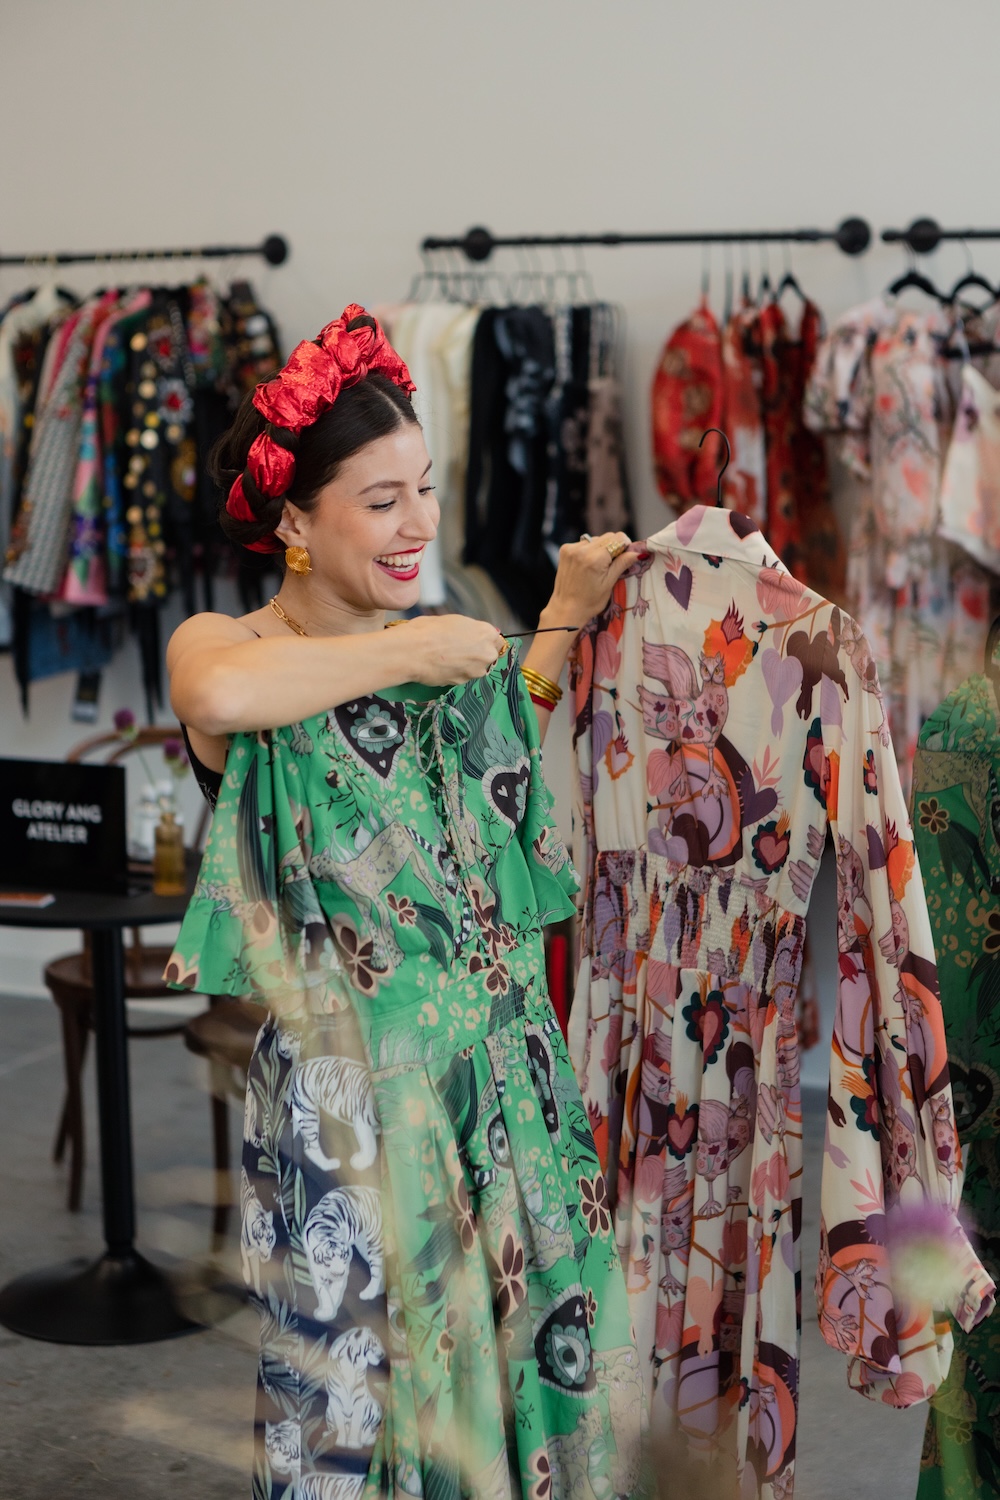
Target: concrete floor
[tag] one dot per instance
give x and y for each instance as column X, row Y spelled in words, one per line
column 173, row 1419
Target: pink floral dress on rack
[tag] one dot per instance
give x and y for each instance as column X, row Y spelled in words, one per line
column 880, row 383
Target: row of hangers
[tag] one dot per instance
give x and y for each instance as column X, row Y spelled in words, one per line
column 529, row 282
column 917, row 280
column 456, row 281
column 912, row 277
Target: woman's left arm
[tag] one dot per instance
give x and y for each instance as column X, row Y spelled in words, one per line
column 586, row 574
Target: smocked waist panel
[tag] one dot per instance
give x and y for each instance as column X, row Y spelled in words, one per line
column 689, row 918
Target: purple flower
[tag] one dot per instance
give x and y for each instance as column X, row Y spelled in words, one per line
column 921, row 1223
column 175, row 756
column 125, row 724
column 925, row 1245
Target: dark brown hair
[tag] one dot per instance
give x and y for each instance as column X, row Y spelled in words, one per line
column 371, row 409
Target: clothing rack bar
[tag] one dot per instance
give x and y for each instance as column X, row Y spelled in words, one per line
column 274, row 250
column 853, row 237
column 924, row 235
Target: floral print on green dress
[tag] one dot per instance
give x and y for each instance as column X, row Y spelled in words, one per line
column 444, row 1312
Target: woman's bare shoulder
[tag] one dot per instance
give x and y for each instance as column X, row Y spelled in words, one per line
column 211, row 629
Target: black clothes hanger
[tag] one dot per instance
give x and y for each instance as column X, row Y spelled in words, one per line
column 725, row 466
column 911, row 277
column 790, row 283
column 973, row 278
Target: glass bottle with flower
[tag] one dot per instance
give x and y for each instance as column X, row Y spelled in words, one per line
column 168, row 857
column 157, row 832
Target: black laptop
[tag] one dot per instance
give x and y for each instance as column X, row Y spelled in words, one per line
column 62, row 827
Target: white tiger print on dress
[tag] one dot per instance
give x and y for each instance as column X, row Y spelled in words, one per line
column 341, row 1088
column 344, row 1220
column 352, row 1412
column 283, row 1447
column 331, row 1487
column 257, row 1236
column 289, row 1042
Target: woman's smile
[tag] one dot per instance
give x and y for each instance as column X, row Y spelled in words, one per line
column 401, row 565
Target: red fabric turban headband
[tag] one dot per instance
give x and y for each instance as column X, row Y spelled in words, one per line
column 308, row 385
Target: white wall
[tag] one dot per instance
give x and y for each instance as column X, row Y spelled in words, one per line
column 355, row 130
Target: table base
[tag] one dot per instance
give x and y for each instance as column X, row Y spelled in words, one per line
column 118, row 1299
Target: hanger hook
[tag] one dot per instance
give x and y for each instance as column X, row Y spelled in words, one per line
column 764, row 257
column 725, row 466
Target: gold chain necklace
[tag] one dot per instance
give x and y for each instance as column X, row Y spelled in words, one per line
column 292, row 624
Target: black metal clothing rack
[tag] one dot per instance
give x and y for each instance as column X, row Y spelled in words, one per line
column 273, row 249
column 853, row 236
column 924, row 235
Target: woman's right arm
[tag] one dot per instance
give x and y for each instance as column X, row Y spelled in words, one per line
column 224, row 678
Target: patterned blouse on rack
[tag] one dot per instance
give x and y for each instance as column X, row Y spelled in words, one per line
column 881, row 385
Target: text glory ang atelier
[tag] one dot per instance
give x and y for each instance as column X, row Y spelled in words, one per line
column 57, row 822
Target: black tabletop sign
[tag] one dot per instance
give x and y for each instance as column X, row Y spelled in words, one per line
column 62, row 826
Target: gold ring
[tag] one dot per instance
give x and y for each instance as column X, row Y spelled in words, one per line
column 504, row 648
column 615, row 549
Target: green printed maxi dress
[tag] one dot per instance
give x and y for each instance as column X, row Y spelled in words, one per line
column 425, row 1226
column 956, row 826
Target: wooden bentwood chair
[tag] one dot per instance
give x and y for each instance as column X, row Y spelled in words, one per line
column 224, row 1036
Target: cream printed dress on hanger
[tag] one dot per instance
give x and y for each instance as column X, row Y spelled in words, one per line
column 726, row 719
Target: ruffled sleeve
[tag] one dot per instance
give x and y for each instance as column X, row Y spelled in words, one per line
column 892, row 1153
column 551, row 871
column 254, row 925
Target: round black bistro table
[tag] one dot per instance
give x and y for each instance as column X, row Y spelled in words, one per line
column 121, row 1298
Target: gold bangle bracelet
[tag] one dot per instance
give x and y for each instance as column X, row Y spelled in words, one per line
column 542, row 685
column 531, row 675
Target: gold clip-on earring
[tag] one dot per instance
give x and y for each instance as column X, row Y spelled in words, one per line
column 297, row 560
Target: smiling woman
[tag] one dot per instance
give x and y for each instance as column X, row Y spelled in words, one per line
column 444, row 1310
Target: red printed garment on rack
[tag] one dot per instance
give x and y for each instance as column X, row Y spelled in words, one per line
column 687, row 399
column 726, row 717
column 781, row 418
column 824, row 557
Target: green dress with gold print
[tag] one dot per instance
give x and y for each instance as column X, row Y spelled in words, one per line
column 425, row 1226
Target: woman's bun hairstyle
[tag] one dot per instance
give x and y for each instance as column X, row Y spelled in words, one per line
column 371, row 409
